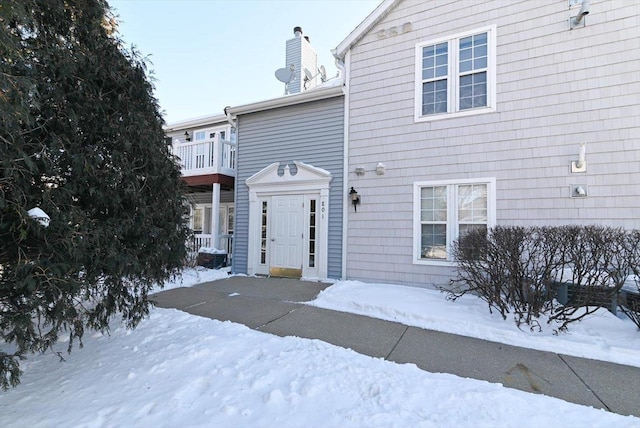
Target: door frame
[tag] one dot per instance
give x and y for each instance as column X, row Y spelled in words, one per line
column 287, row 230
column 308, row 181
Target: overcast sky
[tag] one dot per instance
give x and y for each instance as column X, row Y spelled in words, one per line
column 207, row 54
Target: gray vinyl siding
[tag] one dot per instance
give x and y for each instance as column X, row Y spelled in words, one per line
column 311, row 133
column 206, row 197
column 556, row 88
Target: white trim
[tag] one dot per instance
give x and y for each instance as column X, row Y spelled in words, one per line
column 215, row 208
column 200, row 122
column 363, row 28
column 452, row 231
column 310, row 182
column 315, row 94
column 345, row 155
column 453, row 75
column 208, row 130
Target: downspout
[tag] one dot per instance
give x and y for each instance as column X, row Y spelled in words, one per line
column 227, row 112
column 344, row 72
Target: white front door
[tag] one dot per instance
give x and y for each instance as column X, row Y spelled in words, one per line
column 288, row 221
column 287, row 236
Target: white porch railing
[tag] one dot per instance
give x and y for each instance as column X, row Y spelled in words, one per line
column 209, row 157
column 225, row 242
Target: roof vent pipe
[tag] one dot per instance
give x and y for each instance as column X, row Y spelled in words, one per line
column 297, row 31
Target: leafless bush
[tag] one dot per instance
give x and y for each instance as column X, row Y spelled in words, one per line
column 630, row 300
column 511, row 268
column 594, row 268
column 519, row 270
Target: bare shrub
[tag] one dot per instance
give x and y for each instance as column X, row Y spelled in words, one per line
column 519, row 270
column 594, row 267
column 510, row 268
column 630, row 300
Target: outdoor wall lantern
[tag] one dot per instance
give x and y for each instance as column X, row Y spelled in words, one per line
column 355, row 198
column 187, row 137
column 581, row 164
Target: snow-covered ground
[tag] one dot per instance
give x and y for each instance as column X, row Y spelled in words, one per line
column 176, row 369
column 600, row 336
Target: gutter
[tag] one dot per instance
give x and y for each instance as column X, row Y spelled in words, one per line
column 288, row 100
column 195, row 122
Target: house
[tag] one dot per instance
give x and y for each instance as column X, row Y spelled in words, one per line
column 206, row 148
column 289, row 192
column 290, row 186
column 274, row 171
column 465, row 115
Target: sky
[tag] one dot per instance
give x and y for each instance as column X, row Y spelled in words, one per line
column 207, row 54
column 177, row 369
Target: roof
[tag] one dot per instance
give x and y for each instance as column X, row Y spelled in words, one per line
column 195, row 122
column 361, row 30
column 330, row 89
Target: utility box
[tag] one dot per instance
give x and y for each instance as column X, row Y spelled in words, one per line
column 212, row 259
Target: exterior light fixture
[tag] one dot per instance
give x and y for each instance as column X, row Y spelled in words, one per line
column 578, row 20
column 187, row 137
column 581, row 164
column 355, row 198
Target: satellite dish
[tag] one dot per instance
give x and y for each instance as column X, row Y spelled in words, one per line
column 308, row 74
column 323, row 73
column 285, row 75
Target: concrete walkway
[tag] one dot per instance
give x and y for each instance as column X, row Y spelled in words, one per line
column 274, row 305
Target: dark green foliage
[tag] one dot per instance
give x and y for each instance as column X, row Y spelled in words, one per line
column 81, row 138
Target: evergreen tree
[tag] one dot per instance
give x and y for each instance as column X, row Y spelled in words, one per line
column 81, row 138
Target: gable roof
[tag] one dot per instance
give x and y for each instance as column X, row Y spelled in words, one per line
column 361, row 30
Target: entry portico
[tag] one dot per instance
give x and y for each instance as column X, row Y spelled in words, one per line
column 288, row 221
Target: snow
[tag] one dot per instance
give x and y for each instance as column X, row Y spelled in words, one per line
column 177, row 369
column 600, row 336
column 193, row 276
column 40, row 216
column 211, row 250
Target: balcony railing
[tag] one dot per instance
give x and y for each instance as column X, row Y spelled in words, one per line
column 208, row 157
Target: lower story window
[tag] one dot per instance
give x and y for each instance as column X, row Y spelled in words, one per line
column 198, row 220
column 444, row 211
column 312, row 233
column 263, row 233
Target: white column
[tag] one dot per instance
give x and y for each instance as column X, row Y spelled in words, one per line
column 215, row 215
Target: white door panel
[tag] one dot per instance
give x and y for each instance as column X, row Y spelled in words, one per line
column 286, row 238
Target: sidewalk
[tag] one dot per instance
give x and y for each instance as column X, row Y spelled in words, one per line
column 275, row 305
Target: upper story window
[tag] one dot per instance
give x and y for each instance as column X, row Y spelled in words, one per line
column 446, row 210
column 456, row 76
column 204, row 135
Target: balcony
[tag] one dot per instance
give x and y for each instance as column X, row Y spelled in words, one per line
column 215, row 156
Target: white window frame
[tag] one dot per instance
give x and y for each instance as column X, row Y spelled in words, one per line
column 452, row 215
column 197, row 209
column 453, row 109
column 208, row 131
